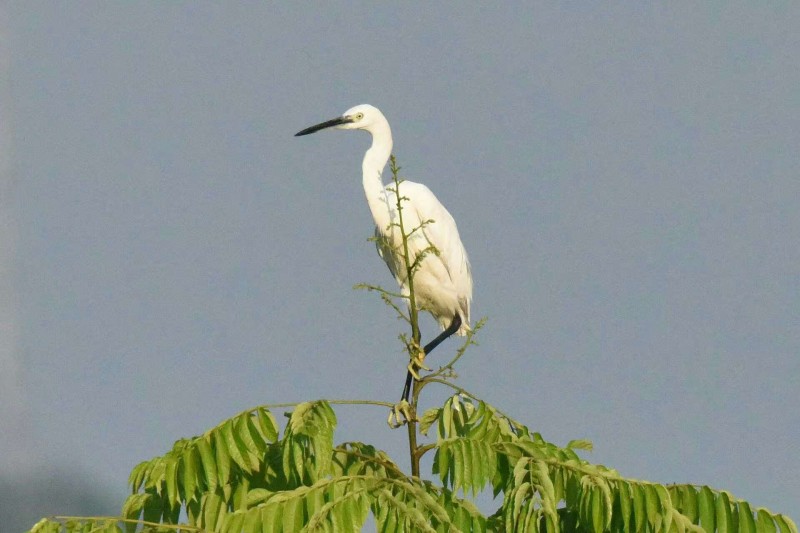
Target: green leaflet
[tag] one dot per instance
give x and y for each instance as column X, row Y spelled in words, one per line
column 706, row 509
column 580, row 444
column 686, row 501
column 171, row 478
column 785, row 524
column 624, row 506
column 664, row 505
column 189, row 466
column 132, row 508
column 597, row 512
column 595, row 503
column 765, row 522
column 724, row 516
column 267, row 425
column 652, row 503
column 249, row 441
column 746, row 522
column 214, row 510
column 234, row 445
column 46, row 526
column 428, row 418
column 292, row 513
column 137, row 476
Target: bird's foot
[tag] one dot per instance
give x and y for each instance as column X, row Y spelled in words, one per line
column 400, row 415
column 417, row 361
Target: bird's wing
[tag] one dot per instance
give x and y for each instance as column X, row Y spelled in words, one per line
column 442, row 233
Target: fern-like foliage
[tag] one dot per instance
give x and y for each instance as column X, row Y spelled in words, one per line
column 241, row 477
column 548, row 488
column 300, row 482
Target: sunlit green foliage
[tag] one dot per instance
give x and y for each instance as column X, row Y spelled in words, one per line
column 240, row 477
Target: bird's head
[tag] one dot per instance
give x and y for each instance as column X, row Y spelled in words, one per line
column 360, row 117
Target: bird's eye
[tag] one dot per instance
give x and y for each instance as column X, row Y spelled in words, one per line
column 359, row 116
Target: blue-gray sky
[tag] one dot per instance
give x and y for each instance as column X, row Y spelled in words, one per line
column 624, row 178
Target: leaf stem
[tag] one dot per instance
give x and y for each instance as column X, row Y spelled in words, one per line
column 176, row 527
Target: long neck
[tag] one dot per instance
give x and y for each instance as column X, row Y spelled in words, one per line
column 372, row 168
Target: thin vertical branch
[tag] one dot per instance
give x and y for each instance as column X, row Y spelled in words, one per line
column 415, row 334
column 413, row 316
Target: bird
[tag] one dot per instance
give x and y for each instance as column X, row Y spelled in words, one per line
column 443, row 279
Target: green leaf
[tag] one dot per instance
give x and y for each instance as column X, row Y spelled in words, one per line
column 239, row 497
column 258, row 440
column 446, row 421
column 189, row 462
column 427, row 420
column 559, row 483
column 233, row 522
column 296, row 465
column 596, row 503
column 235, row 447
column 137, row 476
column 257, row 496
column 625, row 504
column 785, row 524
column 207, row 461
column 479, row 457
column 765, row 522
column 460, row 466
column 639, row 506
column 293, row 515
column 688, row 500
column 746, row 522
column 134, row 504
column 155, row 474
column 706, row 509
column 723, row 512
column 652, row 503
column 245, row 437
column 172, row 480
column 194, row 511
column 223, row 459
column 441, row 462
column 153, row 509
column 664, row 504
column 267, row 424
column 271, row 518
column 252, row 523
column 580, row 444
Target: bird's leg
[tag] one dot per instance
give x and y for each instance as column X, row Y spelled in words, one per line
column 452, row 328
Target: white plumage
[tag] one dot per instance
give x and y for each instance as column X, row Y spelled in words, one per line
column 443, row 282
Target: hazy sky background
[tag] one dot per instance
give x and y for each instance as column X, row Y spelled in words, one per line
column 624, row 179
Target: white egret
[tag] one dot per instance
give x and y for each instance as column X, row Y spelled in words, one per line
column 443, row 281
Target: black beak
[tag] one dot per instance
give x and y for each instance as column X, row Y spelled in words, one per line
column 323, row 125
